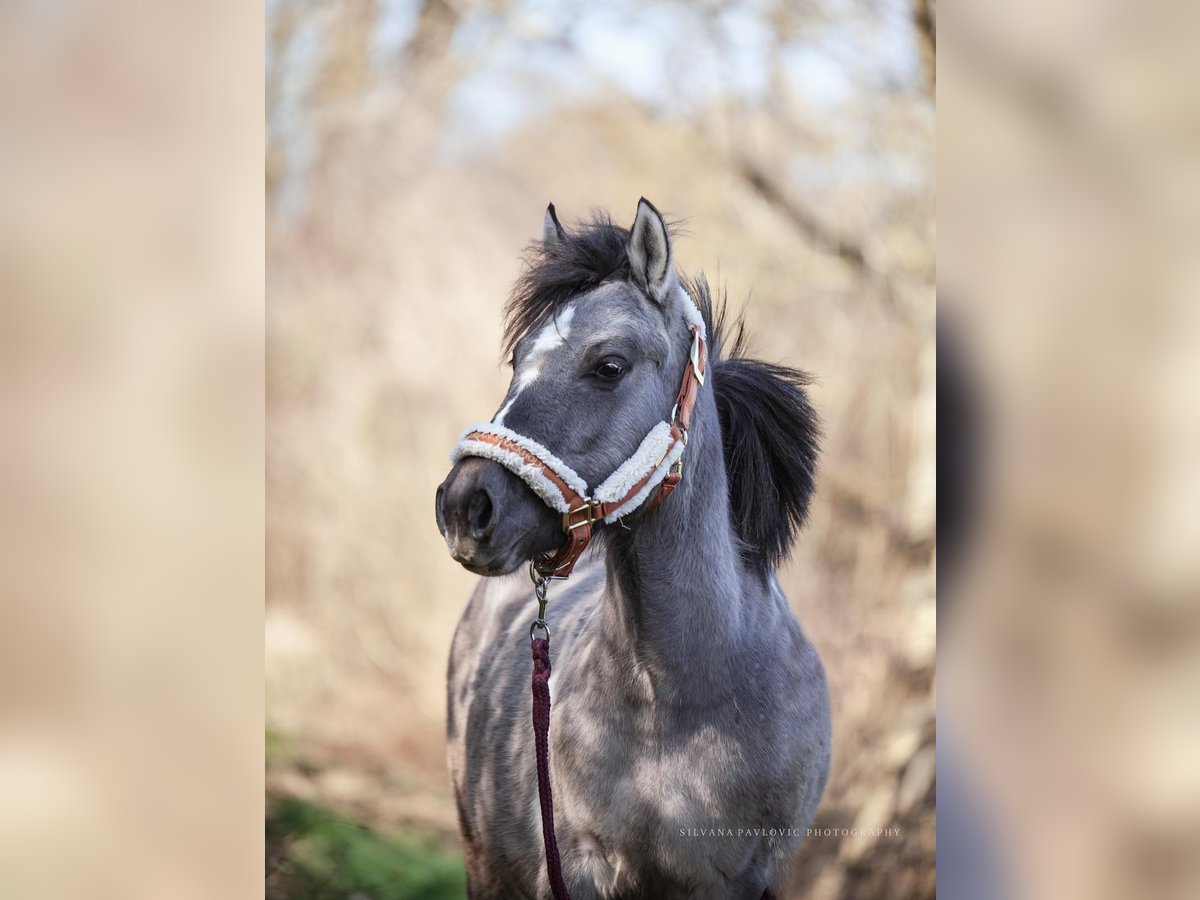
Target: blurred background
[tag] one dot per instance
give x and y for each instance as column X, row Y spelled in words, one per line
column 403, row 177
column 131, row 450
column 1069, row 450
column 412, row 148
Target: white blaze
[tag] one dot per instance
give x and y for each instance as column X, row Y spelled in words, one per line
column 551, row 336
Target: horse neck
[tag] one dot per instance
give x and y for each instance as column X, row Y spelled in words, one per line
column 673, row 608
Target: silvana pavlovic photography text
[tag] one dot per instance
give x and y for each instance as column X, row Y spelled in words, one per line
column 786, row 831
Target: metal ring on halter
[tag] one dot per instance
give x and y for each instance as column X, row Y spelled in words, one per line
column 683, row 432
column 535, row 625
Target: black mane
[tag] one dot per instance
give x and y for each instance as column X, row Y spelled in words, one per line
column 770, row 432
column 769, row 429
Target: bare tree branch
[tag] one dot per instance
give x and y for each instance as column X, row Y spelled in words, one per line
column 816, row 230
column 924, row 16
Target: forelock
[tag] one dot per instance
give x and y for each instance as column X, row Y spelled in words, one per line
column 589, row 255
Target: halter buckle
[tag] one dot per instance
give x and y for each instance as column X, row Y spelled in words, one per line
column 589, row 505
column 694, row 357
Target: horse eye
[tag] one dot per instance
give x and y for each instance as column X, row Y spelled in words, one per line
column 610, row 368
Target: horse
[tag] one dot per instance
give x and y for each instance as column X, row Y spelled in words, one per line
column 690, row 743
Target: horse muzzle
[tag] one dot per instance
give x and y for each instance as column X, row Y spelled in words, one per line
column 491, row 521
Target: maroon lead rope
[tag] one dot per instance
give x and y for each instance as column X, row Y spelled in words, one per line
column 541, row 740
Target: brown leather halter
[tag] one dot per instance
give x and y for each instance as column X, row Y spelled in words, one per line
column 584, row 512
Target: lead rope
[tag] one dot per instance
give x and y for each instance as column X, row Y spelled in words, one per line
column 541, row 736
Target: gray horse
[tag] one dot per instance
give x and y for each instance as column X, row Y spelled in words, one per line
column 689, row 743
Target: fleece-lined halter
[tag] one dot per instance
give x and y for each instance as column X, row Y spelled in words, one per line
column 650, row 474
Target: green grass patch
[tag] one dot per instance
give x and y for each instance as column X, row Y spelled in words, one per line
column 277, row 745
column 313, row 853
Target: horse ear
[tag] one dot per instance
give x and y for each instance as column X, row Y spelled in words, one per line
column 650, row 251
column 552, row 230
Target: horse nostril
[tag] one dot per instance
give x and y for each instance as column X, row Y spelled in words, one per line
column 480, row 515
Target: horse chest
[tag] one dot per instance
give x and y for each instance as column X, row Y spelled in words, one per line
column 638, row 800
column 655, row 833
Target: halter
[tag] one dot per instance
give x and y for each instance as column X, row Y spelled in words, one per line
column 657, row 463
